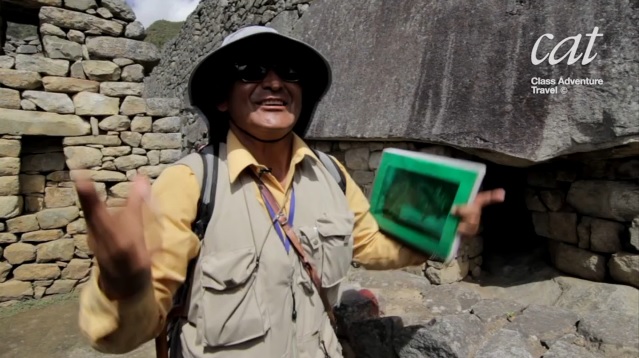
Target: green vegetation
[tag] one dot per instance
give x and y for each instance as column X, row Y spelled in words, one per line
column 162, row 31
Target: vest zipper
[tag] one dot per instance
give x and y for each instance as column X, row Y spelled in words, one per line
column 323, row 347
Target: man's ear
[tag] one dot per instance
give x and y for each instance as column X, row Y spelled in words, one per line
column 223, row 106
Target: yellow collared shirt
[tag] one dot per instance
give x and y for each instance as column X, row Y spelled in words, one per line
column 121, row 326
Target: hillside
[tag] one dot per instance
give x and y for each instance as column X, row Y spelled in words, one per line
column 162, row 31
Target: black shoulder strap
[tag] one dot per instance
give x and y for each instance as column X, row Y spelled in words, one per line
column 209, row 155
column 332, row 168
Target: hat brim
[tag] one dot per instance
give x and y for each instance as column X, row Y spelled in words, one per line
column 210, row 81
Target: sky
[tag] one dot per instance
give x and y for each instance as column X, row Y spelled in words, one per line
column 149, row 11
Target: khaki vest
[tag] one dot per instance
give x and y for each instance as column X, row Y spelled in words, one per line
column 249, row 297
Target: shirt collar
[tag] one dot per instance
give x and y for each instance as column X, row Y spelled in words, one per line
column 239, row 158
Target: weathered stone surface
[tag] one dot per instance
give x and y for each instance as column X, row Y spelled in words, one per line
column 5, row 268
column 76, row 36
column 49, row 29
column 42, row 65
column 563, row 227
column 94, row 104
column 357, row 158
column 77, row 71
column 42, row 235
column 133, row 73
column 79, row 21
column 456, row 271
column 59, row 197
column 10, row 206
column 115, row 123
column 7, row 62
column 61, row 287
column 142, row 124
column 19, row 253
column 22, row 223
column 135, row 30
column 604, row 235
column 544, row 322
column 605, row 199
column 33, row 203
column 168, row 156
column 9, row 148
column 82, row 157
column 27, row 105
column 119, row 9
column 154, row 157
column 505, row 343
column 41, row 123
column 77, row 227
column 57, row 250
column 562, row 349
column 9, row 186
column 15, row 290
column 111, row 47
column 578, row 262
column 604, row 327
column 131, row 138
column 116, row 151
column 101, row 70
column 133, row 105
column 163, row 107
column 432, row 108
column 51, row 102
column 57, row 48
column 46, row 162
column 139, row 151
column 105, row 140
column 7, row 238
column 9, row 166
column 161, row 141
column 120, row 190
column 122, row 62
column 99, row 175
column 20, row 79
column 69, row 85
column 491, row 310
column 27, row 50
column 121, row 89
column 81, row 5
column 9, row 98
column 152, row 171
column 77, row 269
column 130, row 162
column 57, row 218
column 624, row 267
column 32, row 272
column 81, row 244
column 167, row 125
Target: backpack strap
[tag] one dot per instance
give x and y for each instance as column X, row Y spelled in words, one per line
column 332, row 168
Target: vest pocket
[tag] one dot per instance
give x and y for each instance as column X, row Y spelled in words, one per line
column 336, row 234
column 231, row 310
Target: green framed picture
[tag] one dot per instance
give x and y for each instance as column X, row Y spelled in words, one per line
column 413, row 195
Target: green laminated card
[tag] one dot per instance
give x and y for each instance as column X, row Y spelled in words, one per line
column 413, row 196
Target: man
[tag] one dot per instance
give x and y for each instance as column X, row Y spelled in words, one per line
column 252, row 295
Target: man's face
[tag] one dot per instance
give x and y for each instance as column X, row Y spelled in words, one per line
column 268, row 108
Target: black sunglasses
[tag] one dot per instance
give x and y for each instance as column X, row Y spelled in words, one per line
column 255, row 72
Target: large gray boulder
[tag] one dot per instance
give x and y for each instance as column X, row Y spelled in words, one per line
column 460, row 73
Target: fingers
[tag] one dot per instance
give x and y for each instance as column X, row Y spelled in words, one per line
column 94, row 209
column 139, row 194
column 489, row 197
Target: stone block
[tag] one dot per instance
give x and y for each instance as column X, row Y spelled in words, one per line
column 80, row 5
column 42, row 65
column 57, row 218
column 24, row 223
column 61, row 287
column 120, row 9
column 23, row 80
column 101, row 71
column 634, row 233
column 120, row 190
column 77, row 269
column 142, row 124
column 79, row 21
column 30, row 184
column 49, row 29
column 624, row 267
column 357, row 158
column 121, row 89
column 614, row 200
column 578, row 262
column 57, row 250
column 9, row 186
column 94, row 104
column 81, row 244
column 99, row 175
column 162, row 141
column 116, row 151
column 111, row 47
column 5, row 269
column 115, row 123
column 59, row 197
column 167, row 125
column 363, row 177
column 59, row 176
column 454, row 272
column 41, row 236
column 154, row 157
column 34, row 272
column 168, row 156
column 122, row 62
column 9, row 166
column 33, row 203
column 77, row 71
column 7, row 238
column 76, row 36
column 105, row 140
column 563, row 227
column 605, row 236
column 130, row 162
column 51, row 102
column 133, row 105
column 9, row 148
column 18, row 122
column 58, row 48
column 15, row 290
column 10, row 98
column 46, row 162
column 82, row 157
column 69, row 85
column 552, row 199
column 153, row 171
column 10, row 206
column 77, row 227
column 133, row 73
column 19, row 253
column 135, row 30
column 7, row 62
column 374, row 160
column 163, row 107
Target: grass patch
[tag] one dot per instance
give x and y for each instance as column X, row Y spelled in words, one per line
column 27, row 305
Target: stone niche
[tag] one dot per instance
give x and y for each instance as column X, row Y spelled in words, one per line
column 580, row 212
column 71, row 103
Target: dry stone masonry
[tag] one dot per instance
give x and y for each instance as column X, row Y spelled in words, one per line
column 71, row 103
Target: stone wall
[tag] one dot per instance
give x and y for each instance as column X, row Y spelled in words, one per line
column 203, row 31
column 586, row 208
column 74, row 107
